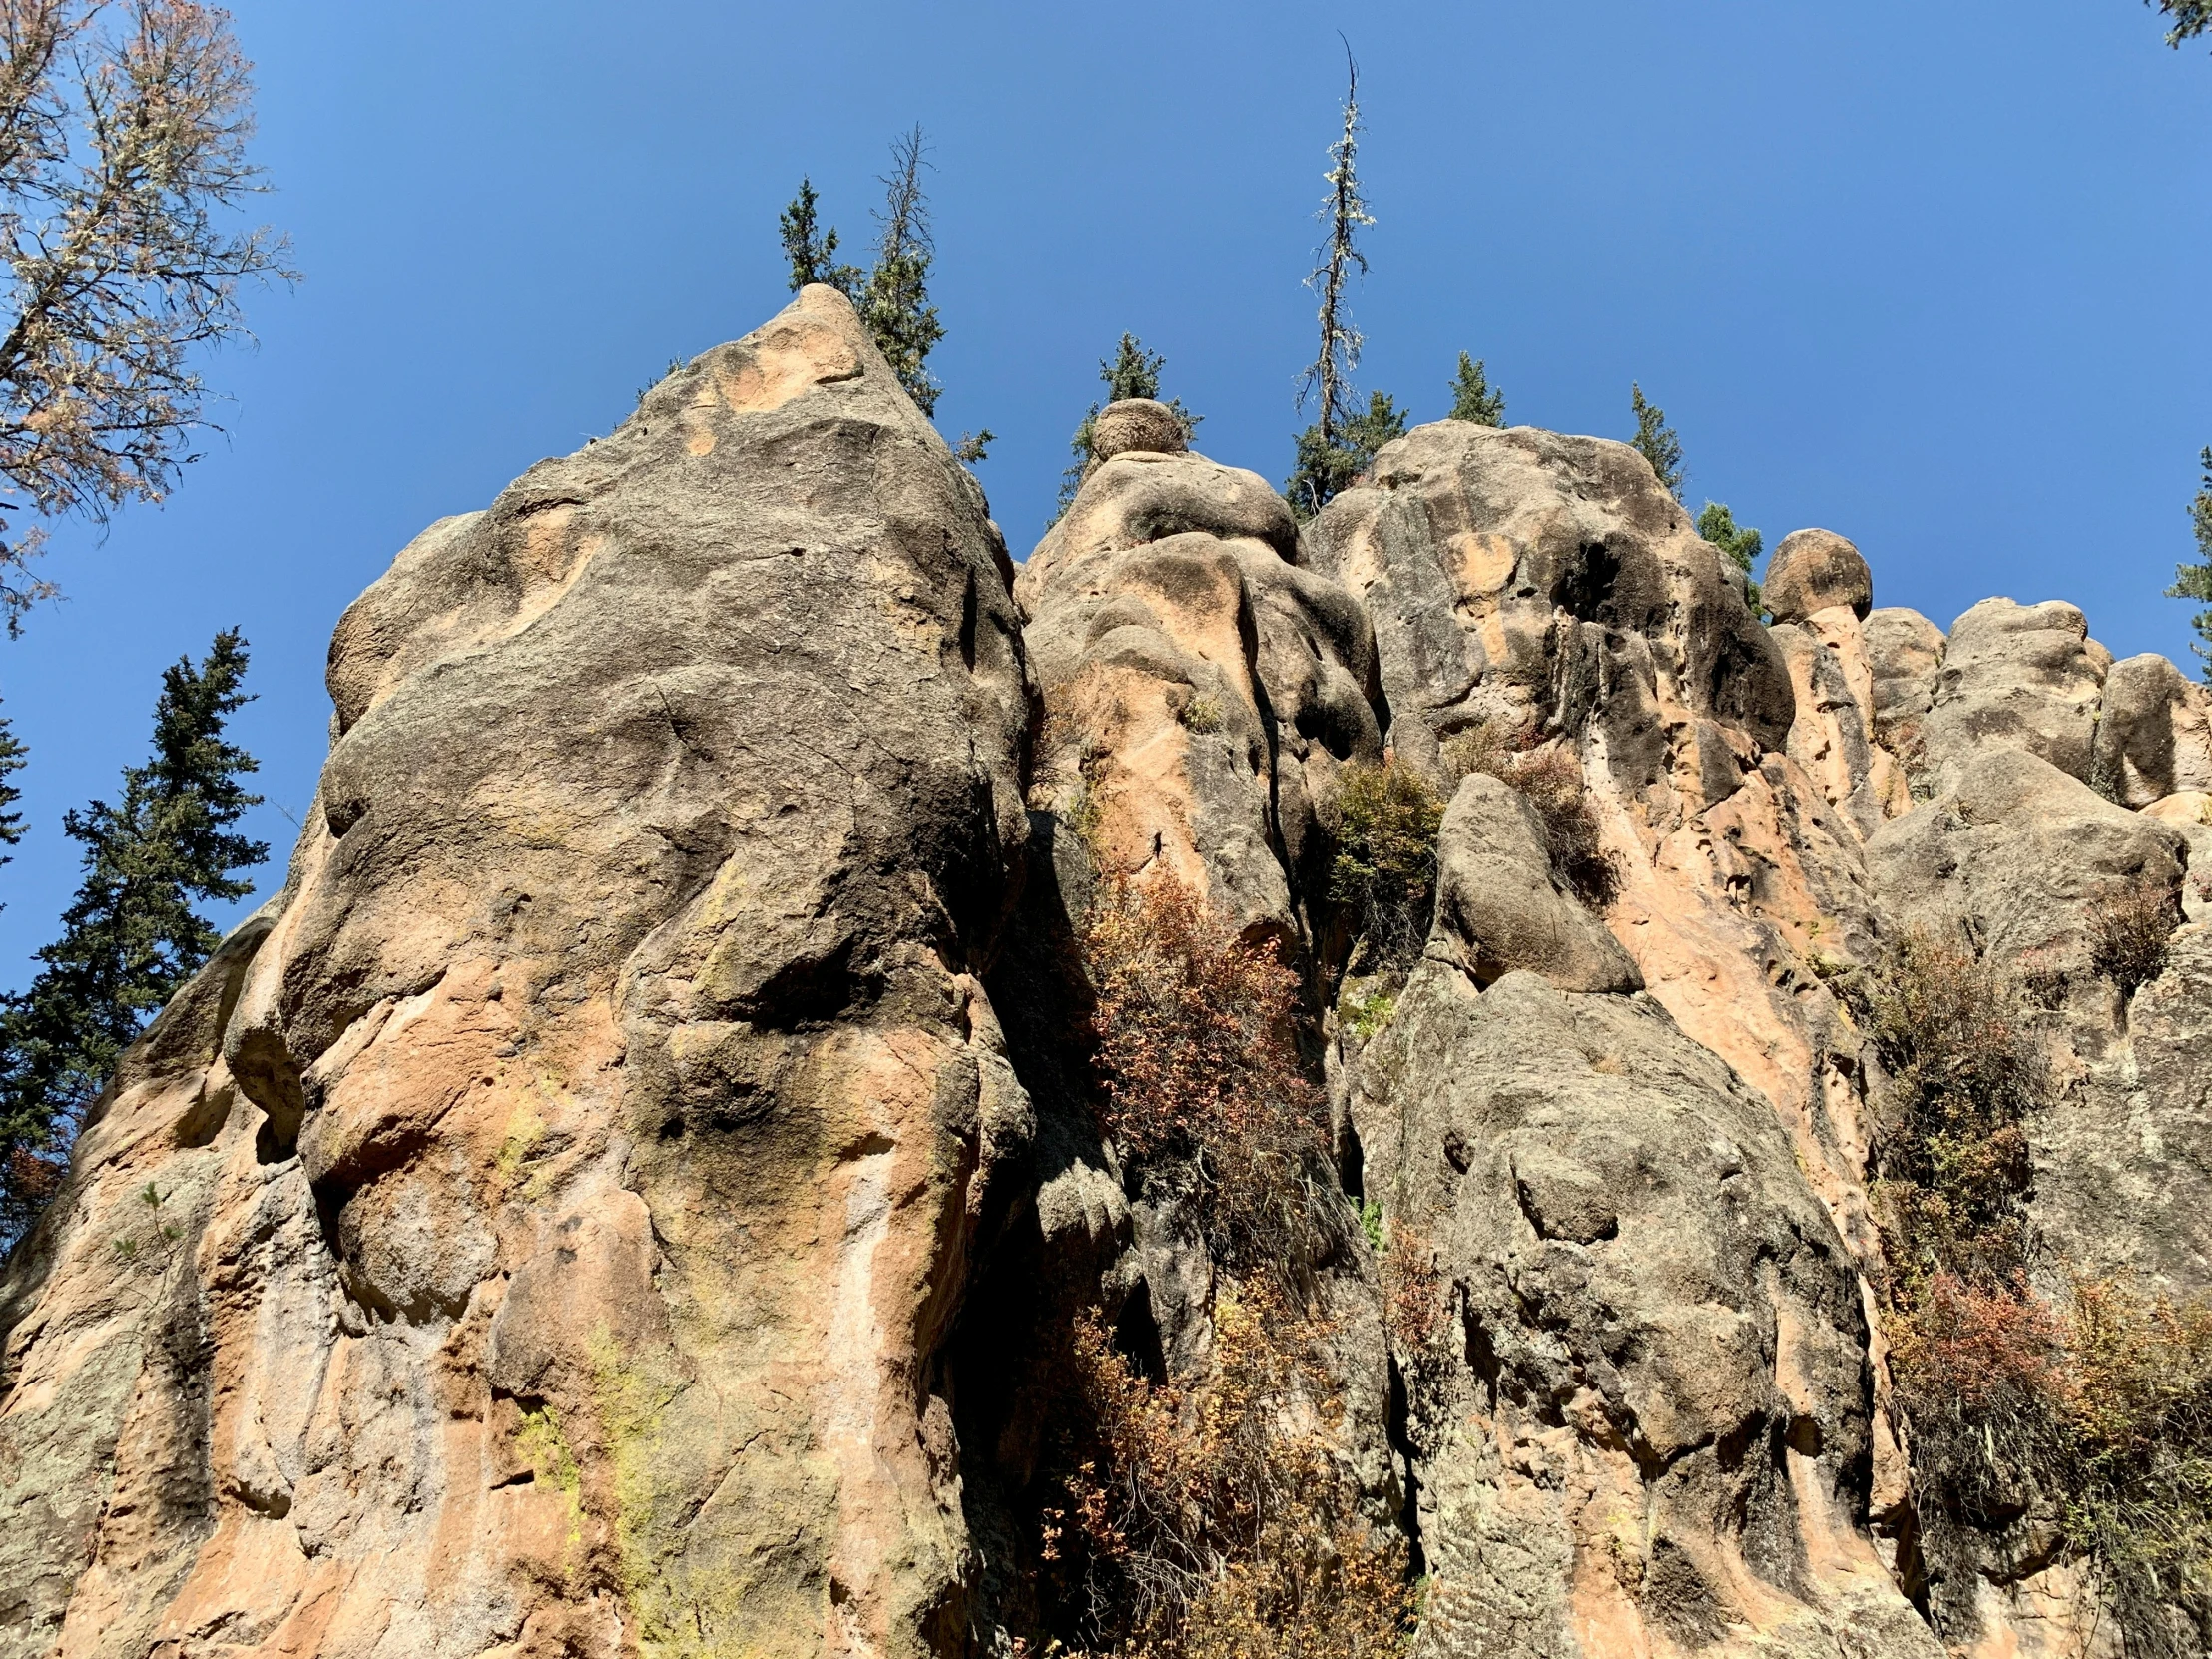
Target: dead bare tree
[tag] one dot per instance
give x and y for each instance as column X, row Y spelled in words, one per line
column 123, row 134
column 1328, row 381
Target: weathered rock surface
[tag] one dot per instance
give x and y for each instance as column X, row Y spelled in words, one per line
column 630, row 1190
column 1816, row 570
column 1202, row 690
column 556, row 1240
column 1650, row 1427
column 1506, row 909
column 2016, row 677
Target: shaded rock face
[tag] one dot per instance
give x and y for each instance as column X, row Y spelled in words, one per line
column 566, row 1191
column 1651, row 1426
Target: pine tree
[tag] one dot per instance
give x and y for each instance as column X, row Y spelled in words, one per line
column 896, row 303
column 14, row 757
column 1655, row 440
column 1473, row 398
column 893, row 298
column 1325, row 471
column 1131, row 372
column 1742, row 544
column 1324, row 463
column 812, row 249
column 2195, row 581
column 132, row 936
column 2191, row 18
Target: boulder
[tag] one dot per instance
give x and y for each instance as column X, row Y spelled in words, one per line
column 1642, row 1422
column 1138, row 423
column 1905, row 657
column 1816, row 570
column 1527, row 581
column 1501, row 910
column 2019, row 677
column 2153, row 736
column 546, row 1236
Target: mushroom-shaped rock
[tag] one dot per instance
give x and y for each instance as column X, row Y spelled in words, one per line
column 1500, row 908
column 1138, row 423
column 1816, row 570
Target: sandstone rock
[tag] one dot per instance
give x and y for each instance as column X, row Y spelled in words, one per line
column 1501, row 910
column 1646, row 1426
column 1201, row 692
column 1816, row 570
column 573, row 1191
column 2016, row 676
column 1905, row 657
column 1829, row 738
column 2153, row 735
column 1528, row 579
column 1138, row 423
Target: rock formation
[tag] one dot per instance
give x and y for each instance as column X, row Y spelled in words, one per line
column 641, row 1185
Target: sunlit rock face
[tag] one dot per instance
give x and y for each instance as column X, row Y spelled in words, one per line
column 566, row 1186
column 630, row 1192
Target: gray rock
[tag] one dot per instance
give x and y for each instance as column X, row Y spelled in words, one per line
column 1532, row 580
column 609, row 1114
column 1648, row 1420
column 2151, row 738
column 1500, row 908
column 1905, row 654
column 2016, row 676
column 1814, row 570
column 2016, row 860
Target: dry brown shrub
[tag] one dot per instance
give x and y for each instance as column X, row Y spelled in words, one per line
column 1210, row 1521
column 1205, row 1094
column 2128, row 935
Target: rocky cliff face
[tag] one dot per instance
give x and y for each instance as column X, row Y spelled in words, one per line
column 643, row 1185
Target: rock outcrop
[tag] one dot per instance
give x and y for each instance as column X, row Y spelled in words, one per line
column 549, row 1217
column 642, row 1186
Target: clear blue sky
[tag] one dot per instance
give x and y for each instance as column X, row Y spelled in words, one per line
column 1929, row 275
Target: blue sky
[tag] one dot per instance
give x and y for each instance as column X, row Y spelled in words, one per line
column 1927, row 274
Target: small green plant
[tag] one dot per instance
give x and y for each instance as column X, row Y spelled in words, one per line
column 1656, row 442
column 125, row 1249
column 1371, row 1224
column 1742, row 544
column 151, row 1196
column 1200, row 715
column 1365, row 1015
column 1385, row 818
column 1473, row 398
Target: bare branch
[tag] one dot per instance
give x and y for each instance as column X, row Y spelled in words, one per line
column 1343, row 211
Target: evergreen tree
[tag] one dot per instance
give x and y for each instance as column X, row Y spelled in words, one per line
column 1655, row 440
column 1740, row 543
column 896, row 303
column 812, row 248
column 1131, row 372
column 14, row 757
column 893, row 298
column 2195, row 581
column 1327, row 469
column 1325, row 460
column 2191, row 18
column 131, row 938
column 1473, row 398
